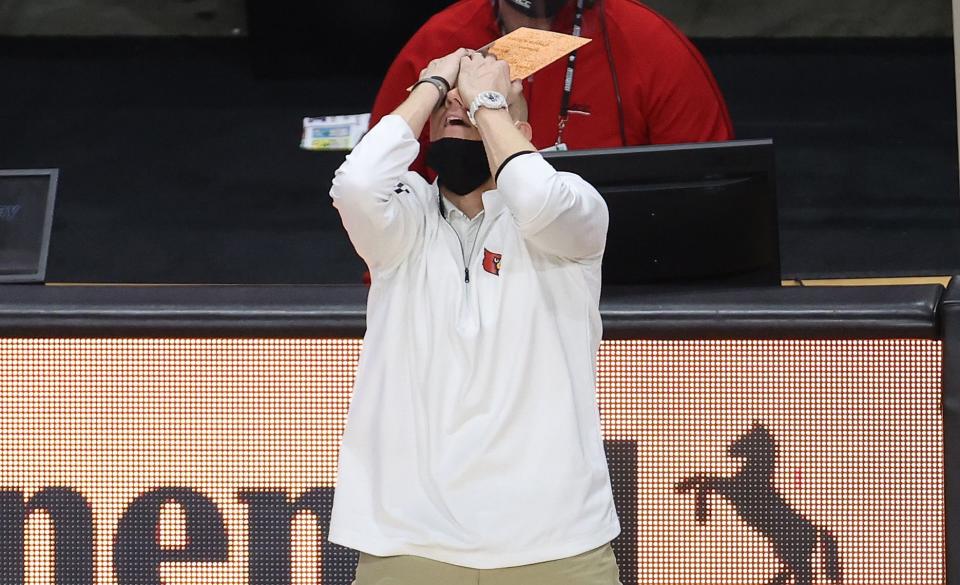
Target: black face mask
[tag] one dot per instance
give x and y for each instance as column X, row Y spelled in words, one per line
column 538, row 8
column 461, row 164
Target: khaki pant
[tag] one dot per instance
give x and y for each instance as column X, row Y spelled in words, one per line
column 595, row 567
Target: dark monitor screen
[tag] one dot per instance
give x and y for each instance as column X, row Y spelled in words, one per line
column 26, row 216
column 686, row 214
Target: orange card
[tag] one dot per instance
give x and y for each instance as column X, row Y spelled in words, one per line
column 528, row 50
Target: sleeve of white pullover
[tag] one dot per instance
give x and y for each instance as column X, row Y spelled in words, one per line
column 559, row 213
column 382, row 218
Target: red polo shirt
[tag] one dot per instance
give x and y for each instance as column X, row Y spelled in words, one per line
column 669, row 94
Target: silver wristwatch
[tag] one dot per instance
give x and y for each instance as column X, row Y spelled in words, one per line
column 486, row 99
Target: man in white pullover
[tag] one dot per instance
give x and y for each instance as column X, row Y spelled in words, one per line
column 473, row 451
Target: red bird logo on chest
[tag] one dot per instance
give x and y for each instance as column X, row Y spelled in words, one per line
column 491, row 262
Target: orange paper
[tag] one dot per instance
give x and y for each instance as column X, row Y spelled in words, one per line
column 528, row 50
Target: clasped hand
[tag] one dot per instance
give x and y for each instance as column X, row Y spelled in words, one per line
column 472, row 73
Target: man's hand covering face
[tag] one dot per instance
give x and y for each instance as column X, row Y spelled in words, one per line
column 446, row 67
column 479, row 74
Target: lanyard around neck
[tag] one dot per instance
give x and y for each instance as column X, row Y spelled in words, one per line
column 568, row 78
column 571, row 66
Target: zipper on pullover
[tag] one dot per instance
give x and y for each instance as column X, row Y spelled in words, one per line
column 473, row 248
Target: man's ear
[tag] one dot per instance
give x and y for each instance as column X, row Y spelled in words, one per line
column 525, row 128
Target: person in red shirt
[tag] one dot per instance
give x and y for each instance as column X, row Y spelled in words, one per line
column 640, row 80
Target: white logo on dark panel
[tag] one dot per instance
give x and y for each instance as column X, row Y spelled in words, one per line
column 9, row 212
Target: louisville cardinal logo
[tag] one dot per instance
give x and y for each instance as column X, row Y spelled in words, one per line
column 491, row 262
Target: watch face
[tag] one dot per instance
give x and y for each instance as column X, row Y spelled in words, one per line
column 492, row 99
column 486, row 99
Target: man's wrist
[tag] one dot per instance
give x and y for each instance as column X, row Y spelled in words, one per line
column 428, row 92
column 439, row 83
column 487, row 115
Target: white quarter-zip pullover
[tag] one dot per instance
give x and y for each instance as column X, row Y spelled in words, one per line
column 473, row 436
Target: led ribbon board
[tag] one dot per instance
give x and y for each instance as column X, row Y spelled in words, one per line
column 198, row 461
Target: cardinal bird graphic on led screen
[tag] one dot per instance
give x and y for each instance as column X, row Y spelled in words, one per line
column 757, row 502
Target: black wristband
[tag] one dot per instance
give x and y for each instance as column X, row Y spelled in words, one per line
column 438, row 82
column 442, row 80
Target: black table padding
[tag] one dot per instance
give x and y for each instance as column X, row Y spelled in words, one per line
column 774, row 313
column 339, row 311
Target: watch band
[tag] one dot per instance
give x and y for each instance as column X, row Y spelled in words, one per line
column 476, row 105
